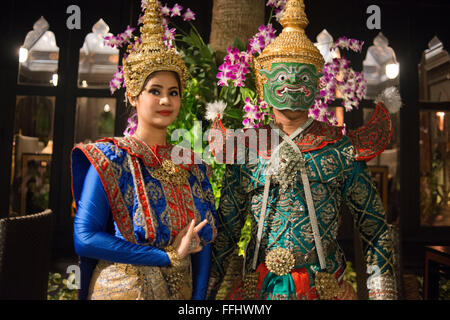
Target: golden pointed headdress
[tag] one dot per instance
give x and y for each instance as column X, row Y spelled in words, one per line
column 151, row 54
column 292, row 45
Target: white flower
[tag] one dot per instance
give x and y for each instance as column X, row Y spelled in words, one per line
column 214, row 109
column 391, row 99
column 176, row 10
column 279, row 14
column 165, row 11
column 188, row 15
column 281, row 4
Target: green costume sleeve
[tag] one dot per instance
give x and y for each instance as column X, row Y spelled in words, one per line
column 233, row 209
column 369, row 218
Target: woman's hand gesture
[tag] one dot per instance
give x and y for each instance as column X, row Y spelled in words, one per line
column 188, row 241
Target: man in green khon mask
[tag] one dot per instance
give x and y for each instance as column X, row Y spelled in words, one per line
column 294, row 191
column 290, row 86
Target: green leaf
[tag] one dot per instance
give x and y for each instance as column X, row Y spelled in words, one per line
column 246, row 92
column 194, row 82
column 239, row 44
column 52, row 288
column 205, row 52
column 195, row 39
column 211, row 52
column 237, row 100
column 234, row 113
column 223, row 92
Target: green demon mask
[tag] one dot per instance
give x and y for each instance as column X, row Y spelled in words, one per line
column 290, row 85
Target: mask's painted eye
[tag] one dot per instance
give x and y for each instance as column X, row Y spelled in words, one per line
column 305, row 78
column 282, row 77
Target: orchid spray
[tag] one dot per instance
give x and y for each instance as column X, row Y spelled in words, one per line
column 339, row 80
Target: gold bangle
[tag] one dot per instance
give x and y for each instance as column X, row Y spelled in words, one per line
column 175, row 260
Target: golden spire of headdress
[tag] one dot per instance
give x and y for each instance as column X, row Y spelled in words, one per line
column 292, row 45
column 151, row 54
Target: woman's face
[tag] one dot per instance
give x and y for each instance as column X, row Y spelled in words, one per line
column 159, row 102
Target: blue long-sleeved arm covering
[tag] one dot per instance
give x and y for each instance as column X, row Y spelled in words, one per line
column 90, row 236
column 201, row 265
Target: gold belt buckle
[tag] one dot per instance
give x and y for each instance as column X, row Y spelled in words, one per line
column 280, row 261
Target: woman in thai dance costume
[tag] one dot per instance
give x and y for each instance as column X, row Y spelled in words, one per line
column 144, row 224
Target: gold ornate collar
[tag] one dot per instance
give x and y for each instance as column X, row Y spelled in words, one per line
column 139, row 149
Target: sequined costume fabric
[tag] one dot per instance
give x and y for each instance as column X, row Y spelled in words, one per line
column 127, row 214
column 336, row 178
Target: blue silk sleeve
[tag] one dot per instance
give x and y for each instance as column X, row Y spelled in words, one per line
column 91, row 239
column 201, row 264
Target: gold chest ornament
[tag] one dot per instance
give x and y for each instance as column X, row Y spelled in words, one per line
column 168, row 171
column 171, row 173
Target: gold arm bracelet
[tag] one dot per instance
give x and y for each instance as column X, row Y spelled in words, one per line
column 175, row 260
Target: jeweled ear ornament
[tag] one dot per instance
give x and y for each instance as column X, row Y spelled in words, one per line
column 265, row 72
